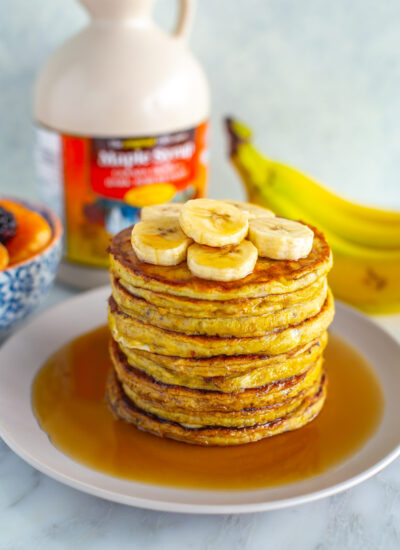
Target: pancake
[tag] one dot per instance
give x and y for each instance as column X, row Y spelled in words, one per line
column 125, row 409
column 268, row 276
column 229, row 419
column 225, row 367
column 135, row 334
column 201, row 308
column 255, row 377
column 174, row 398
column 238, row 326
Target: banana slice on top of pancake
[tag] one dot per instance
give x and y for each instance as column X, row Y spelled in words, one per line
column 160, row 241
column 281, row 239
column 169, row 209
column 213, row 223
column 222, row 264
column 252, row 210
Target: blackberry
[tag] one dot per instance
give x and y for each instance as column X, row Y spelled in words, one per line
column 8, row 225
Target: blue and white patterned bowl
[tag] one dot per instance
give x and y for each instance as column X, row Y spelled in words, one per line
column 23, row 285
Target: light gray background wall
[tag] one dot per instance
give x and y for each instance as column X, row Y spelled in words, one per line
column 318, row 80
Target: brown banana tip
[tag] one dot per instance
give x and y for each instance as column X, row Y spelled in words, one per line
column 233, row 138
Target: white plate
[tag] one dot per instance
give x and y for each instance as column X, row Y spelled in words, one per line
column 26, row 351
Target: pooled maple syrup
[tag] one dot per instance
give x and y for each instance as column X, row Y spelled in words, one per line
column 69, row 403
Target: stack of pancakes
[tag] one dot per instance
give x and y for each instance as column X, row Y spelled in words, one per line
column 218, row 363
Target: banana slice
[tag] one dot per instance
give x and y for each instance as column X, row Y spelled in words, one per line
column 170, row 209
column 160, row 241
column 213, row 223
column 252, row 210
column 281, row 239
column 222, row 264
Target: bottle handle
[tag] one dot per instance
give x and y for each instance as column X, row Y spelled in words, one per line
column 185, row 19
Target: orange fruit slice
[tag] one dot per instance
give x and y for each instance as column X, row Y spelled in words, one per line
column 4, row 257
column 33, row 232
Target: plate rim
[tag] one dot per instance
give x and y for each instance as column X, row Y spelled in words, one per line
column 177, row 506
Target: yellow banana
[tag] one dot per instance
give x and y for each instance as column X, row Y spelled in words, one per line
column 365, row 241
column 360, row 224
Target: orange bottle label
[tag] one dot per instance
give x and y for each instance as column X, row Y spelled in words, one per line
column 99, row 185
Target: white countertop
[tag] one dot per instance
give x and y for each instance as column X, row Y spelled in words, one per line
column 39, row 513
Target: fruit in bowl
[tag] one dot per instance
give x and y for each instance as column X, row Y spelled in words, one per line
column 30, row 251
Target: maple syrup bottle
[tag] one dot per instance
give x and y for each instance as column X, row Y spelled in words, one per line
column 121, row 112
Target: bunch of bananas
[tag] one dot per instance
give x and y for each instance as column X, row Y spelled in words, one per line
column 365, row 241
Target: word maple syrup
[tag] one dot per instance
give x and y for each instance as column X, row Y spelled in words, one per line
column 69, row 403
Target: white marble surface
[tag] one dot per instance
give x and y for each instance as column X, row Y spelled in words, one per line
column 319, row 81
